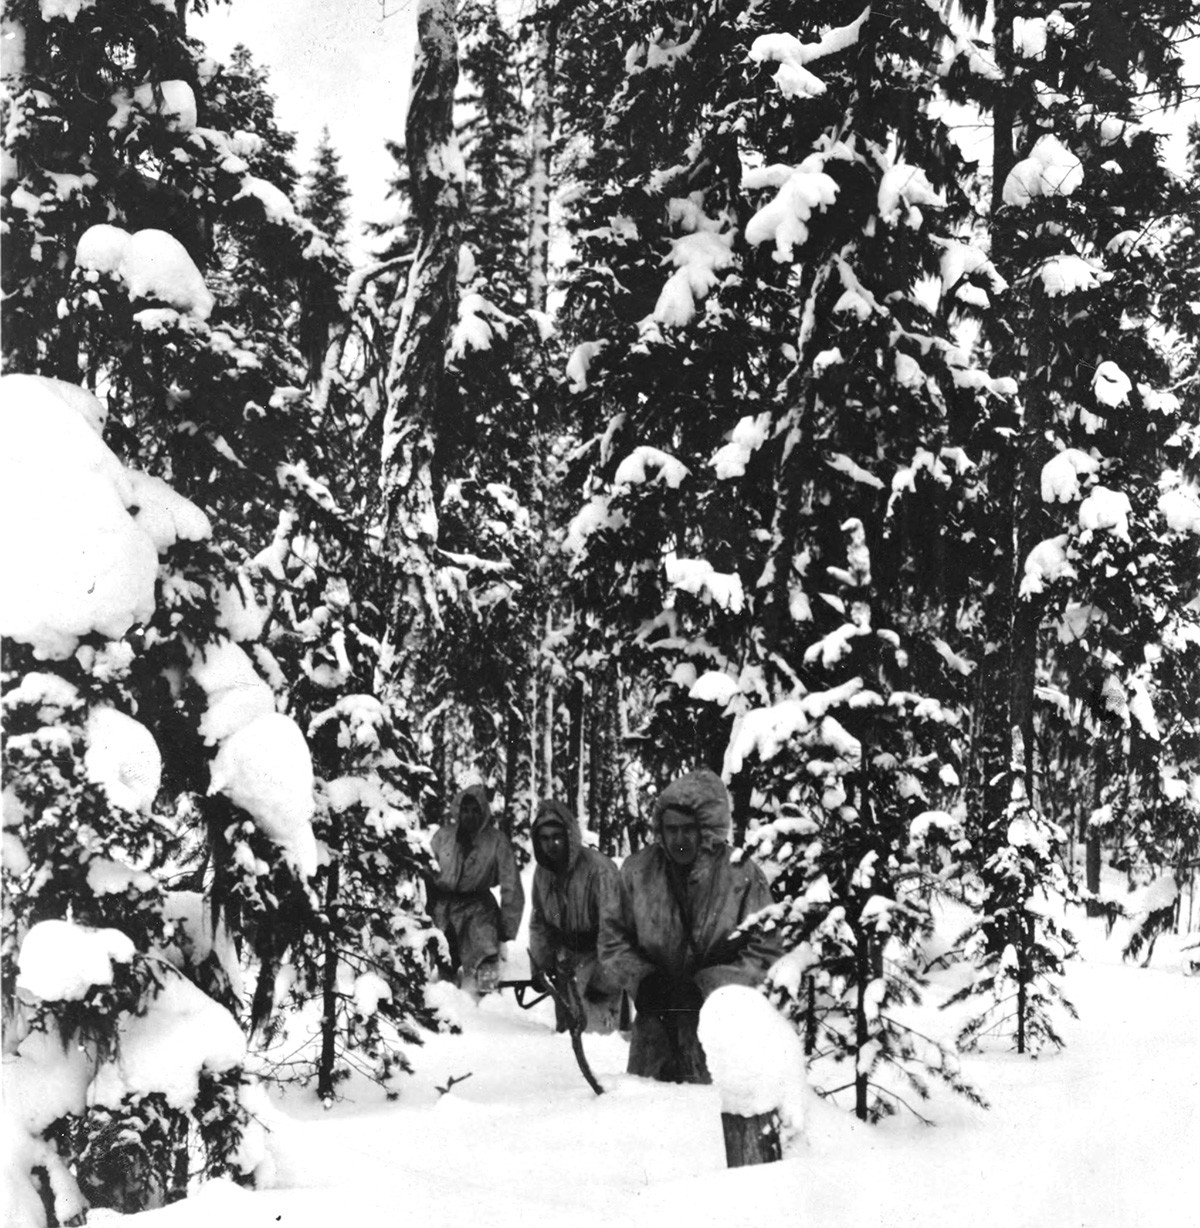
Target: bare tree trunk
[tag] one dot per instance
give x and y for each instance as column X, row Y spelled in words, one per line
column 416, row 373
column 1092, row 833
column 329, row 978
column 534, row 705
column 512, row 758
column 626, row 767
column 539, row 179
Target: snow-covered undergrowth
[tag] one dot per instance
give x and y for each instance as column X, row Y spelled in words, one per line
column 1102, row 1135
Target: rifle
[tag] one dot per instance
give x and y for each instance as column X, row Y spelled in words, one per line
column 562, row 988
column 521, row 988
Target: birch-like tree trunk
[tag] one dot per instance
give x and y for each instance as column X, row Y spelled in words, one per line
column 539, row 181
column 417, row 368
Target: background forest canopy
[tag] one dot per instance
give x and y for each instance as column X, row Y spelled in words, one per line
column 703, row 403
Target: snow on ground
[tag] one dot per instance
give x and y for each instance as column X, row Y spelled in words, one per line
column 1102, row 1135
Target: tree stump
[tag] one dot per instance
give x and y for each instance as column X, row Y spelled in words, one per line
column 751, row 1140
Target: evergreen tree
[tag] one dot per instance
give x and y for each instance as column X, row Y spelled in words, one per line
column 786, row 384
column 325, row 192
column 149, row 258
column 1071, row 470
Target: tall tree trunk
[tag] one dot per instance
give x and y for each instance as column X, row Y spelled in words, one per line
column 325, row 1079
column 512, row 759
column 532, row 725
column 417, row 369
column 540, row 170
column 862, row 1031
column 1091, row 833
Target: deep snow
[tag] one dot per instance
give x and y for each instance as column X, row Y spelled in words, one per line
column 1105, row 1134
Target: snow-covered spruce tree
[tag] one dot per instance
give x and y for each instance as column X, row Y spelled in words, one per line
column 119, row 982
column 858, row 845
column 789, row 375
column 1083, row 575
column 1025, row 884
column 325, row 191
column 201, row 376
column 487, row 456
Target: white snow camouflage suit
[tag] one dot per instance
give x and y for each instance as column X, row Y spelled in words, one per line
column 655, row 927
column 564, row 921
column 461, row 903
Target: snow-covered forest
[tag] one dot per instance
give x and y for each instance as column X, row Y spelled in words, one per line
column 810, row 393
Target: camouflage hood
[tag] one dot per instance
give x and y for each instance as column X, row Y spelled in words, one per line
column 479, row 793
column 556, row 812
column 703, row 794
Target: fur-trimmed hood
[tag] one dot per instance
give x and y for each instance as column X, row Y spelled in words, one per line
column 551, row 811
column 703, row 793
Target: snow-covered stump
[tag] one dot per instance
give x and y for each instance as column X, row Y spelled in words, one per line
column 757, row 1064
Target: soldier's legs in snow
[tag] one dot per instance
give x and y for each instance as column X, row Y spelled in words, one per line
column 479, row 939
column 667, row 1049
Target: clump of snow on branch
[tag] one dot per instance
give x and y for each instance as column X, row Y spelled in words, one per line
column 151, row 263
column 909, row 186
column 123, row 758
column 643, row 462
column 1060, row 476
column 596, row 514
column 1051, row 169
column 83, row 402
column 1069, row 274
column 276, row 204
column 1107, row 510
column 697, row 576
column 658, row 53
column 81, row 563
column 235, row 693
column 239, row 614
column 730, row 460
column 714, row 686
column 698, row 256
column 1180, row 507
column 173, row 100
column 962, row 261
column 479, row 322
column 198, row 935
column 266, row 769
column 1046, row 562
column 792, row 78
column 755, row 1058
column 263, row 762
column 182, row 1034
column 765, row 731
column 580, row 362
column 1031, row 35
column 800, row 191
column 165, row 515
column 853, row 470
column 60, row 961
column 1110, row 385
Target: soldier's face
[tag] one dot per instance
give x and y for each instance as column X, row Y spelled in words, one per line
column 680, row 836
column 470, row 817
column 551, row 843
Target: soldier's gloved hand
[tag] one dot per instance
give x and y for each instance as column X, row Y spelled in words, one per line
column 537, row 980
column 685, row 996
column 653, row 995
column 564, row 964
